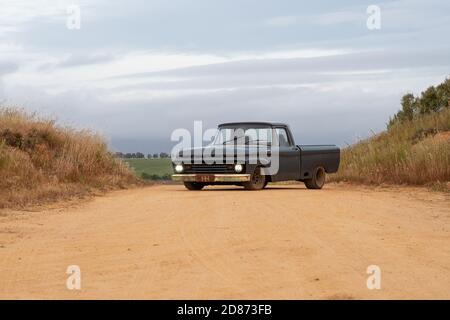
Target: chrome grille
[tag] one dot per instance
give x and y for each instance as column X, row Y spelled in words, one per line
column 209, row 168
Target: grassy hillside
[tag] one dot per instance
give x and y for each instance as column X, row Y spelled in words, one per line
column 152, row 169
column 413, row 151
column 40, row 161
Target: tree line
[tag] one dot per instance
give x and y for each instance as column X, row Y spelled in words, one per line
column 433, row 99
column 140, row 155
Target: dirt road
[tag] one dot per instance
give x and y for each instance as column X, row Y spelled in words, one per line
column 284, row 243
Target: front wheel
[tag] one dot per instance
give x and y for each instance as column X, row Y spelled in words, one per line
column 195, row 186
column 257, row 181
column 318, row 179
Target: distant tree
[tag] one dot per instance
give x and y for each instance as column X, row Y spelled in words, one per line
column 410, row 106
column 433, row 99
column 128, row 155
column 163, row 155
column 149, row 156
column 429, row 101
column 119, row 155
column 140, row 155
column 155, row 156
column 443, row 93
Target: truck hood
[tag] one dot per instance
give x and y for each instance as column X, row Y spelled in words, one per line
column 211, row 152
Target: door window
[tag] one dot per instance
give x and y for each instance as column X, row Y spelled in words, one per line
column 282, row 137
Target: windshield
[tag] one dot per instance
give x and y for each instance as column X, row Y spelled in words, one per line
column 243, row 136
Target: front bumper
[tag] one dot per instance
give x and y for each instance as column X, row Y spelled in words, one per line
column 205, row 178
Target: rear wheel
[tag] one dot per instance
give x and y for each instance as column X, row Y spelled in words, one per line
column 194, row 185
column 318, row 179
column 257, row 181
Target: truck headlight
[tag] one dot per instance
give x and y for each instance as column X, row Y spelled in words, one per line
column 179, row 168
column 238, row 168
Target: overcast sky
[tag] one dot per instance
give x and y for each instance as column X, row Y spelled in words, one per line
column 137, row 69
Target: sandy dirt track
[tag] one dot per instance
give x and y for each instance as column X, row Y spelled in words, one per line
column 285, row 242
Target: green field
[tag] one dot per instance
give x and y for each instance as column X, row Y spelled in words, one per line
column 151, row 169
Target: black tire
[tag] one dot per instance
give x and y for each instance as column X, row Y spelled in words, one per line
column 318, row 179
column 194, row 186
column 257, row 181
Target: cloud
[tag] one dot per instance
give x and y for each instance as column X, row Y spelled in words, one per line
column 135, row 70
column 332, row 18
column 82, row 60
column 283, row 21
column 335, row 87
column 16, row 14
column 351, row 15
column 7, row 67
column 339, row 17
column 338, row 71
column 395, row 16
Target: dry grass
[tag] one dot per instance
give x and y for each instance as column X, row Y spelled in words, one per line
column 42, row 162
column 415, row 152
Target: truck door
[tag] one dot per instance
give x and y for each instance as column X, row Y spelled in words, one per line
column 289, row 157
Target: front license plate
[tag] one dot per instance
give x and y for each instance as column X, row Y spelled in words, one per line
column 204, row 178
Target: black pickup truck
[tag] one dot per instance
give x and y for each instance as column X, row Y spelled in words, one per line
column 251, row 154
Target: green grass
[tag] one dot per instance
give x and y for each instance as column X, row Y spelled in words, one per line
column 151, row 169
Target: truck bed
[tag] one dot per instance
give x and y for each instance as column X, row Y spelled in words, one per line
column 326, row 156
